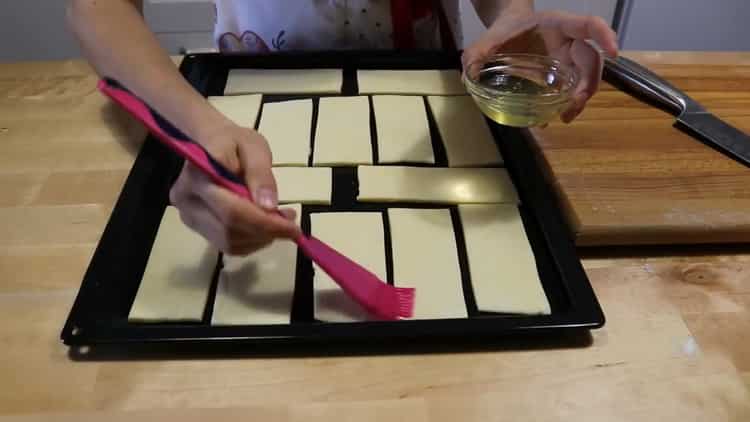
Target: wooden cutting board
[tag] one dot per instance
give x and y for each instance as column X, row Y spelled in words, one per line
column 625, row 175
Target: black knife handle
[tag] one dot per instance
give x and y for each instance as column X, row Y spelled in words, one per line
column 643, row 83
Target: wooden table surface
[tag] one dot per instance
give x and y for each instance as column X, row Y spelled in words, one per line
column 675, row 346
column 627, row 176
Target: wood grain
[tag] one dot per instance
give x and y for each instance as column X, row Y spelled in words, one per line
column 674, row 347
column 626, row 176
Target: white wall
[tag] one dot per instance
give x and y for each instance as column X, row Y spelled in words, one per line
column 34, row 30
column 473, row 27
column 688, row 25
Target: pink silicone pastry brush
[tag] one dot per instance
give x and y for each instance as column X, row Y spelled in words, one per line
column 378, row 298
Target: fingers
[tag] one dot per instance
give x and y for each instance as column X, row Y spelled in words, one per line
column 243, row 216
column 255, row 158
column 588, row 64
column 195, row 213
column 288, row 213
column 584, row 27
column 476, row 52
column 233, row 224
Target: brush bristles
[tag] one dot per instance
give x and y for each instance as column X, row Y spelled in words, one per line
column 393, row 303
column 405, row 297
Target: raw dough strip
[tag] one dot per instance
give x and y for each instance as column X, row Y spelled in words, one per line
column 414, row 82
column 258, row 288
column 178, row 274
column 343, row 133
column 284, row 81
column 241, row 109
column 425, row 257
column 286, row 126
column 403, row 130
column 501, row 262
column 435, row 185
column 306, row 185
column 359, row 236
column 466, row 136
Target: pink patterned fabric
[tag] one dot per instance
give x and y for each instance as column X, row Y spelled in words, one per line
column 264, row 26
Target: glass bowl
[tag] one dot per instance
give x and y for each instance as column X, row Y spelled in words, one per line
column 520, row 90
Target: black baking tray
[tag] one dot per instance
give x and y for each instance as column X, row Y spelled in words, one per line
column 99, row 313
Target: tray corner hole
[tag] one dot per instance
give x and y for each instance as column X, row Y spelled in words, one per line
column 82, row 350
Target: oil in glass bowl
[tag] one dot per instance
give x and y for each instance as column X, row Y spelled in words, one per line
column 520, row 90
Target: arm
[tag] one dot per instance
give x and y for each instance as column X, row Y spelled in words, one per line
column 490, row 10
column 118, row 44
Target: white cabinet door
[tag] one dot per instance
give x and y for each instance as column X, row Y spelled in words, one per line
column 179, row 15
column 182, row 25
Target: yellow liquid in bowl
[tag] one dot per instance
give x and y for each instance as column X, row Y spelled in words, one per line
column 507, row 116
column 529, row 105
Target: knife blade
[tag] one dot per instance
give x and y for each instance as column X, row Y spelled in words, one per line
column 691, row 116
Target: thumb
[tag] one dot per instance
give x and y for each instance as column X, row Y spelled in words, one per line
column 255, row 157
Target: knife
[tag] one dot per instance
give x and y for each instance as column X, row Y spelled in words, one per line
column 691, row 116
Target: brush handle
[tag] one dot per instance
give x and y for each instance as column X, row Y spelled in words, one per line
column 174, row 138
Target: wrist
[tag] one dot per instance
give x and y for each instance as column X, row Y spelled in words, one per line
column 492, row 11
column 205, row 122
column 518, row 7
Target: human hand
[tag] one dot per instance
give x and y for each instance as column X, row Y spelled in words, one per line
column 561, row 35
column 233, row 224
